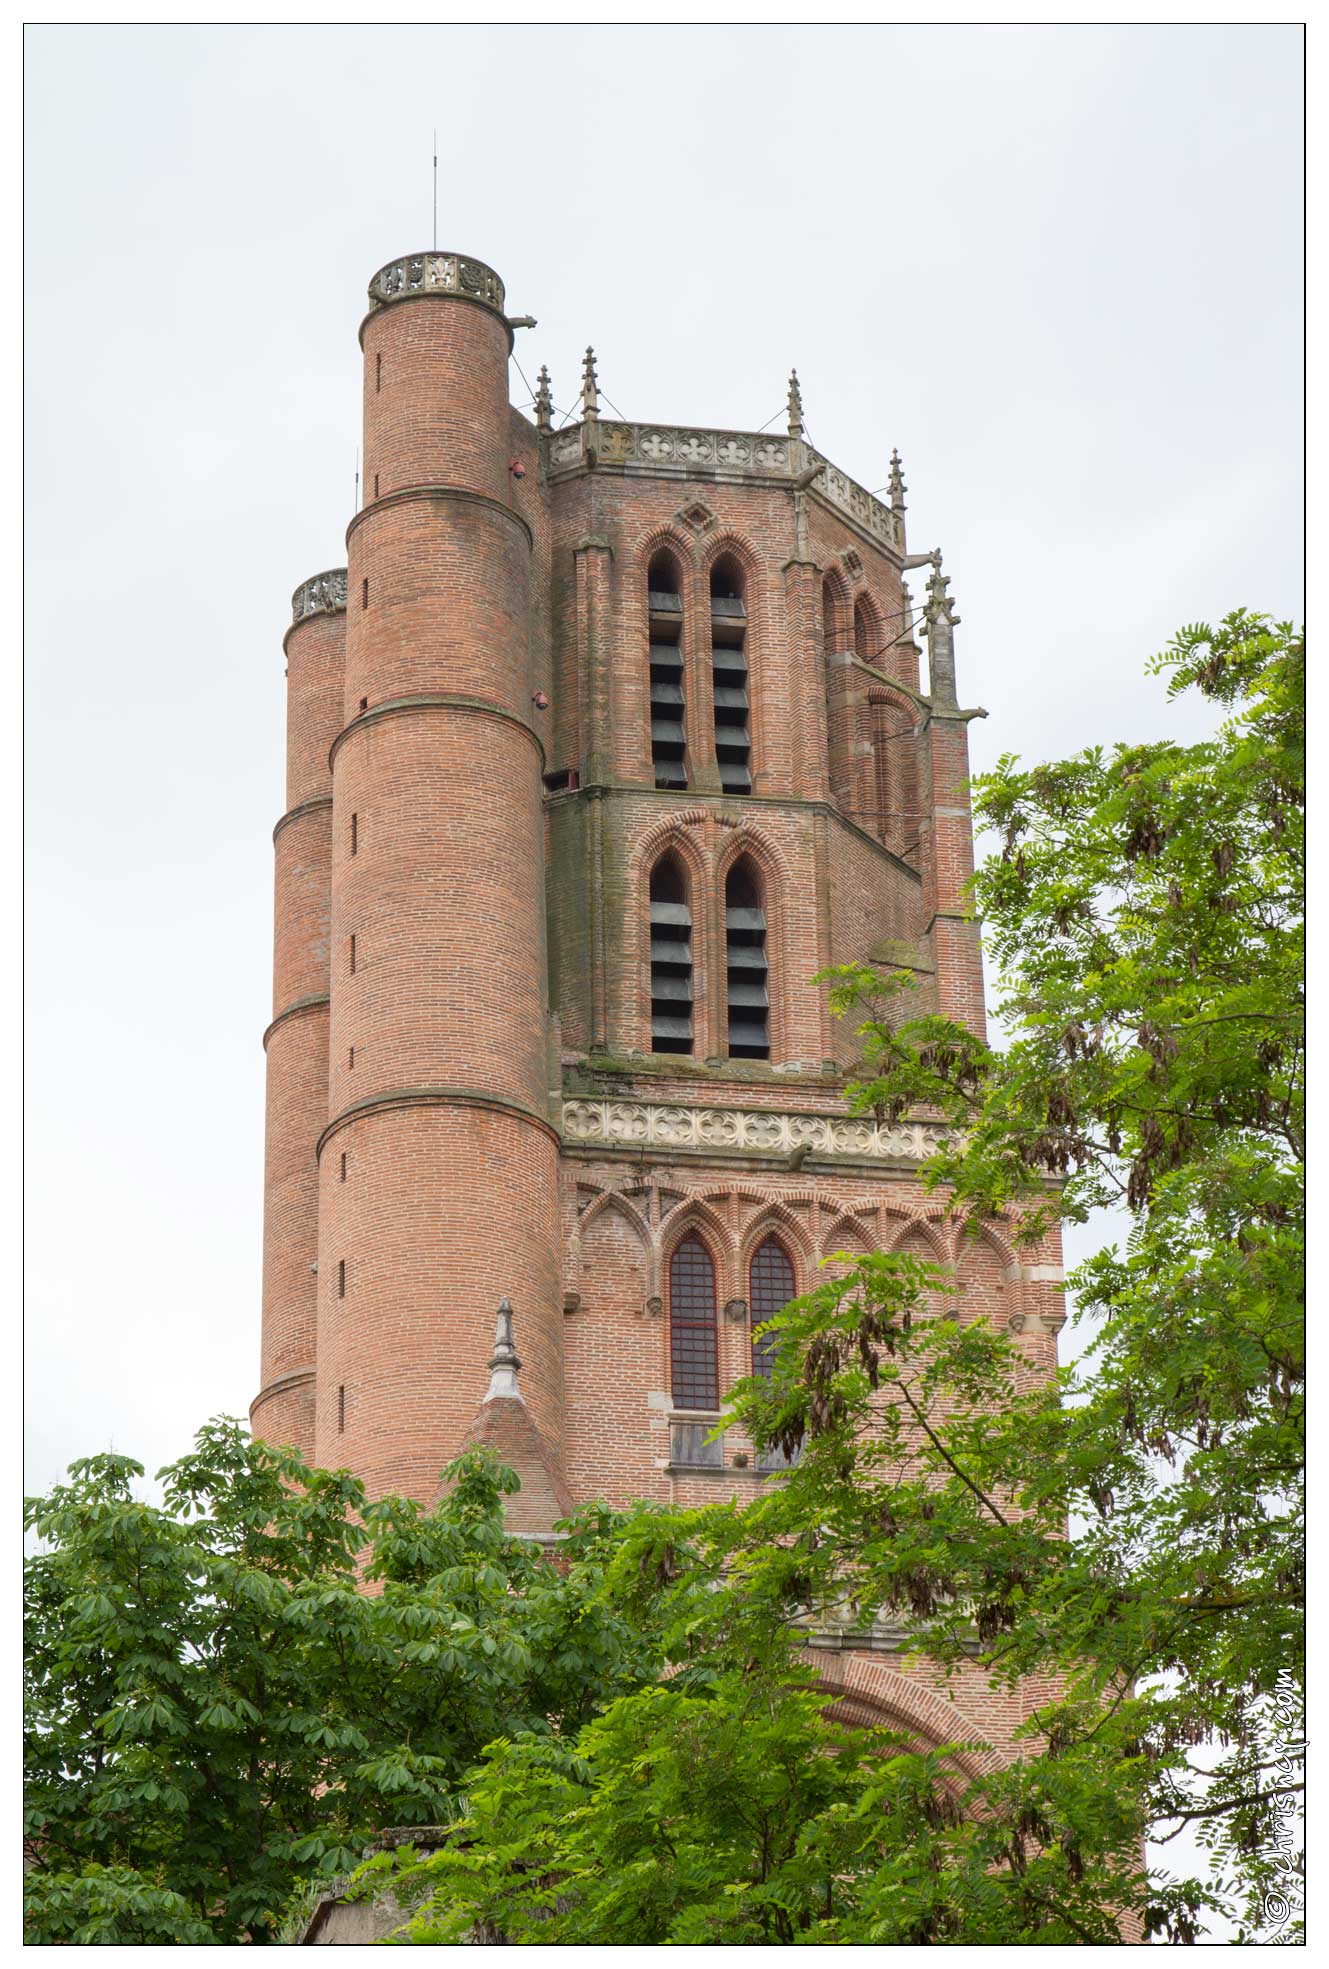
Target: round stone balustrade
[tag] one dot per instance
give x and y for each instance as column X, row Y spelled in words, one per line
column 322, row 594
column 448, row 274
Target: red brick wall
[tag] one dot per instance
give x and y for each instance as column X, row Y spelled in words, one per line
column 444, row 1209
column 435, row 397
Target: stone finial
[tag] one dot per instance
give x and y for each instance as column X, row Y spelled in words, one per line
column 795, row 406
column 939, row 626
column 939, row 603
column 544, row 401
column 590, row 391
column 504, row 1365
column 896, row 485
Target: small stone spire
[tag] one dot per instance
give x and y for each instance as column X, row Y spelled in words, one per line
column 940, row 620
column 897, row 486
column 795, row 406
column 544, row 401
column 590, row 391
column 939, row 603
column 504, row 1365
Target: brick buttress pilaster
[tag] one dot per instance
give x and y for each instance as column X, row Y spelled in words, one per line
column 438, row 1164
column 948, row 843
column 297, row 1040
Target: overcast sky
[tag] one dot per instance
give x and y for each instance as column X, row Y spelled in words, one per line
column 1059, row 268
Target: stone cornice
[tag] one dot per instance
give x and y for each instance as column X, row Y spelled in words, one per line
column 294, row 1010
column 406, row 494
column 392, row 707
column 298, row 813
column 285, row 1384
column 670, row 1127
column 739, row 457
column 432, row 1097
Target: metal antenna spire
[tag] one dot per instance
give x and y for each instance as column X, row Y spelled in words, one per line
column 436, row 191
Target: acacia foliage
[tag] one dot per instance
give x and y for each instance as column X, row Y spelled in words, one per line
column 1145, row 911
column 217, row 1709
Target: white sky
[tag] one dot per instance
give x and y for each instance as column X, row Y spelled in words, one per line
column 1060, row 268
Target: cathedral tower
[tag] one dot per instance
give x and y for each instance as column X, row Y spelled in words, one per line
column 609, row 739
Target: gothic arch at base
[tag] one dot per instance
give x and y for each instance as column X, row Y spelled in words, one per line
column 875, row 1693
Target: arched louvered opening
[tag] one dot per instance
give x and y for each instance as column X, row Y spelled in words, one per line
column 748, row 973
column 770, row 1288
column 864, row 648
column 692, row 1335
column 665, row 611
column 671, row 959
column 729, row 676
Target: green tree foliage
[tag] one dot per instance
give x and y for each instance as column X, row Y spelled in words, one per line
column 1145, row 911
column 635, row 1750
column 1146, row 914
column 216, row 1707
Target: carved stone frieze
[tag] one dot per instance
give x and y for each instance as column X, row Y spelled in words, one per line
column 436, row 273
column 641, row 1124
column 322, row 594
column 675, row 451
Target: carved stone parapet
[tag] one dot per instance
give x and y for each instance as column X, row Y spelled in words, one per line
column 437, row 273
column 837, row 489
column 673, row 451
column 322, row 594
column 641, row 1124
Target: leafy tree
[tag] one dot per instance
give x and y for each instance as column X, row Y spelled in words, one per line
column 218, row 1709
column 1145, row 911
column 635, row 1750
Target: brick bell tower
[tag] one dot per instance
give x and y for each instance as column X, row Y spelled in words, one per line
column 610, row 737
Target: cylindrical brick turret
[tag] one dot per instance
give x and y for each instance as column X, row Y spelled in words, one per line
column 297, row 1040
column 438, row 1165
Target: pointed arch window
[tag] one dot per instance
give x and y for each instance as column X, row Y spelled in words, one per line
column 770, row 1287
column 692, row 1334
column 748, row 975
column 668, row 734
column 671, row 958
column 729, row 676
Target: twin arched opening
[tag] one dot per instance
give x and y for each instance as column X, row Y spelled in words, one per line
column 693, row 1316
column 727, row 639
column 746, row 1008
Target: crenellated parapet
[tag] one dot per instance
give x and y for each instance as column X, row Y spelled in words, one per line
column 729, row 457
column 322, row 594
